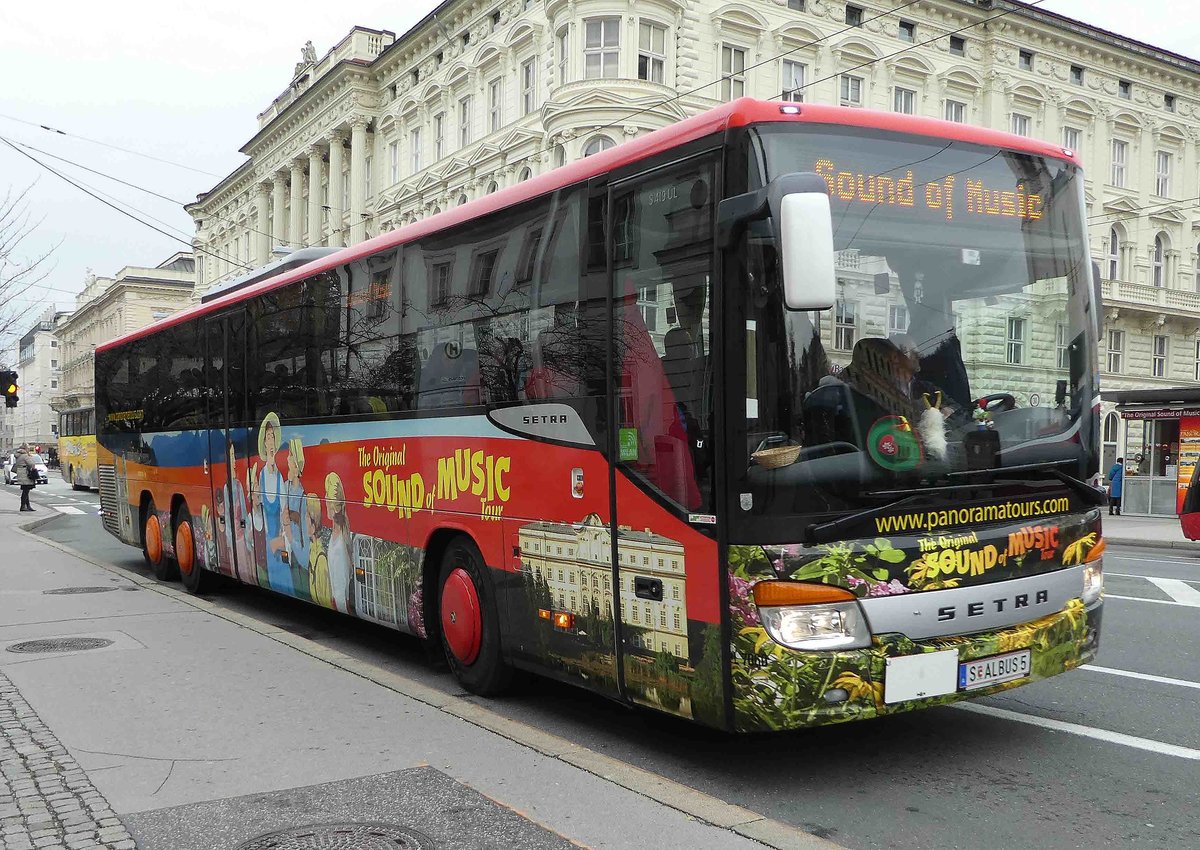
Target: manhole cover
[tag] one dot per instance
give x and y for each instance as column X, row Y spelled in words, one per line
column 67, row 591
column 342, row 836
column 69, row 644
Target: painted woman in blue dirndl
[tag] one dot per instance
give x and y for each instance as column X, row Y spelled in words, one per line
column 270, row 485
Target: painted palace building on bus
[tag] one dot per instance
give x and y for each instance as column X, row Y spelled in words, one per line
column 382, row 131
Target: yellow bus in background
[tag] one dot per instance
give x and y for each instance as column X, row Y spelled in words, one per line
column 77, row 447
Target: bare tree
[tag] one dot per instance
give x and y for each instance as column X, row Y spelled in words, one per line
column 19, row 272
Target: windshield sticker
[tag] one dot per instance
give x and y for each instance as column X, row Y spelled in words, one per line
column 893, row 445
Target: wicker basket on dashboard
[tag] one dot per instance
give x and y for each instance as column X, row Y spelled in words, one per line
column 777, row 457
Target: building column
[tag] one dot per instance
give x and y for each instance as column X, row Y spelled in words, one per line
column 337, row 215
column 358, row 186
column 296, row 219
column 262, row 225
column 278, row 223
column 314, row 195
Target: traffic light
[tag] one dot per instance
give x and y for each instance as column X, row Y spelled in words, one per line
column 8, row 382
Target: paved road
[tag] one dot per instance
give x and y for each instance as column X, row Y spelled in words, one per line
column 1104, row 756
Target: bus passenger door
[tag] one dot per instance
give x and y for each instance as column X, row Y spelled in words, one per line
column 229, row 531
column 661, row 362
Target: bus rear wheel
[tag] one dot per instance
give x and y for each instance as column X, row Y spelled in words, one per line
column 163, row 567
column 470, row 625
column 195, row 578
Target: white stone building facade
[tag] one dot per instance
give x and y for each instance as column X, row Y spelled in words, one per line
column 39, row 367
column 480, row 94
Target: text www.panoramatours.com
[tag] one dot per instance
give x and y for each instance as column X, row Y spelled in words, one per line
column 948, row 517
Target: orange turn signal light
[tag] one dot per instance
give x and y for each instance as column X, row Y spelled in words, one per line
column 563, row 620
column 544, row 613
column 775, row 593
column 1096, row 551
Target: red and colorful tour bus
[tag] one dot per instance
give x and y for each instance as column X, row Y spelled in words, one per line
column 779, row 416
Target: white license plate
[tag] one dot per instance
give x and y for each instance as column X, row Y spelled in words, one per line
column 994, row 670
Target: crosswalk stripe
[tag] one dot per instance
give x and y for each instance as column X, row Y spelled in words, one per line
column 1180, row 591
column 1108, row 596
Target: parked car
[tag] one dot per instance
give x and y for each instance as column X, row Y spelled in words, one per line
column 39, row 466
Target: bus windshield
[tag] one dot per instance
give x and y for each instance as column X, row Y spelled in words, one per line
column 963, row 335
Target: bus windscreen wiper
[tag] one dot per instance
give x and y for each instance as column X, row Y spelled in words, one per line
column 1090, row 496
column 826, row 532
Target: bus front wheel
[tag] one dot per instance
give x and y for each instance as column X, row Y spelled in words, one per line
column 152, row 545
column 469, row 624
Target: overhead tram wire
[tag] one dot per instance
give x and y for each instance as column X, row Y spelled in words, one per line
column 64, row 133
column 123, row 212
column 151, row 192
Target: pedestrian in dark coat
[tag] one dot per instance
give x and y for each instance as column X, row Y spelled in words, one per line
column 25, row 473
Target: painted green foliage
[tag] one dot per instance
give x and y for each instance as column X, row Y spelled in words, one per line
column 779, row 688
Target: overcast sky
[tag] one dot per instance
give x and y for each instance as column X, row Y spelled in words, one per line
column 184, row 80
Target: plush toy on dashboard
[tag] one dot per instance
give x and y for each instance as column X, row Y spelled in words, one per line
column 933, row 426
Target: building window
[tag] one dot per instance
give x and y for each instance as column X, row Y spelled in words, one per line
column 851, row 90
column 733, row 72
column 854, row 15
column 1015, row 353
column 528, row 87
column 1124, row 89
column 1158, row 361
column 897, row 319
column 907, row 31
column 845, row 325
column 601, row 48
column 1157, row 261
column 464, row 122
column 441, row 283
column 1076, row 75
column 495, row 105
column 597, row 144
column 1120, row 157
column 394, row 162
column 564, row 40
column 414, row 143
column 1169, row 102
column 1196, row 367
column 793, row 80
column 1062, row 346
column 796, row 5
column 525, row 174
column 1114, row 255
column 904, row 100
column 958, row 45
column 1162, row 174
column 652, row 52
column 439, row 136
column 1020, row 124
column 956, row 111
column 1071, row 138
column 53, row 384
column 1116, row 351
column 1025, row 60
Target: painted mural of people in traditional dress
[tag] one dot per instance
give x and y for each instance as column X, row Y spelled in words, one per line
column 340, row 572
column 269, row 485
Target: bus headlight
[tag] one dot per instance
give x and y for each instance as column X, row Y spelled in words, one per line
column 839, row 625
column 1093, row 581
column 807, row 616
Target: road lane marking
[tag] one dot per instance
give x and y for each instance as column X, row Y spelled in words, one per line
column 67, row 509
column 1155, row 601
column 1192, row 562
column 1180, row 591
column 1146, row 677
column 1147, row 744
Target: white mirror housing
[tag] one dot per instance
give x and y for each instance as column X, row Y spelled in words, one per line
column 806, row 251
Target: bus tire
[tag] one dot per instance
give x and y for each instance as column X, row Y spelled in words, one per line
column 152, row 549
column 194, row 577
column 468, row 621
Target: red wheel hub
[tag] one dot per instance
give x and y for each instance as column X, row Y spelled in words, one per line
column 154, row 547
column 185, row 548
column 462, row 623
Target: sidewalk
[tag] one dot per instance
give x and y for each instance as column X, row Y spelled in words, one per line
column 191, row 727
column 1163, row 532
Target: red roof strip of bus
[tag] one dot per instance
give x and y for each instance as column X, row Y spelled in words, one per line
column 738, row 113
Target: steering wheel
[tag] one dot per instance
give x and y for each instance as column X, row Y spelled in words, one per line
column 998, row 402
